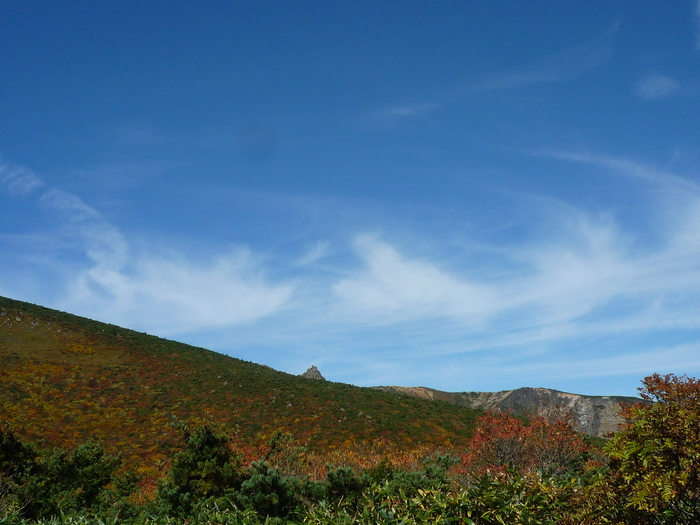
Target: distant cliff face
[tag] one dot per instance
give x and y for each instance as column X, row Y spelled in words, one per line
column 595, row 415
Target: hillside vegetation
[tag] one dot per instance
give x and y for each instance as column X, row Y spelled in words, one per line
column 66, row 379
column 538, row 473
column 100, row 424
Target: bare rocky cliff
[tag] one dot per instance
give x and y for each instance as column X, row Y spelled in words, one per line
column 595, row 415
column 313, row 373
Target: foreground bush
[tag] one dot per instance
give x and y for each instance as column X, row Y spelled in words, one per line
column 491, row 500
column 34, row 487
column 655, row 461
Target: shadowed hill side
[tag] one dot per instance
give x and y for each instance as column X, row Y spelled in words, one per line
column 65, row 379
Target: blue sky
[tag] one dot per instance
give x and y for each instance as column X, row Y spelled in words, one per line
column 461, row 195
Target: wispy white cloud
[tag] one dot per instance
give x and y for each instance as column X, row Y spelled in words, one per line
column 656, row 87
column 120, row 175
column 554, row 285
column 101, row 242
column 657, row 282
column 171, row 295
column 561, row 66
column 629, row 168
column 591, row 278
column 165, row 293
column 18, row 180
column 410, row 110
column 318, row 251
column 396, row 287
column 584, row 276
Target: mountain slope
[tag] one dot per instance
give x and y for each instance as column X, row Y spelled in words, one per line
column 595, row 415
column 65, row 379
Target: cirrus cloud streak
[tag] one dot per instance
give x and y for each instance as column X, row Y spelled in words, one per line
column 587, row 281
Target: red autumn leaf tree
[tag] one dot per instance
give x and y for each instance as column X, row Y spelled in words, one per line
column 504, row 442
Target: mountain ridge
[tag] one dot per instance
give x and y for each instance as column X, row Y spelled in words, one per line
column 594, row 415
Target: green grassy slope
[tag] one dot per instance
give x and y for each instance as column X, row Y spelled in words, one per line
column 65, row 379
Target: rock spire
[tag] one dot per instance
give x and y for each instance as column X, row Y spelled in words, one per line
column 313, row 373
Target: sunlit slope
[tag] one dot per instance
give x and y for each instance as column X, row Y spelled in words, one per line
column 65, row 379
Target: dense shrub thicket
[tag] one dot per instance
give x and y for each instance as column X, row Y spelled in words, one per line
column 514, row 472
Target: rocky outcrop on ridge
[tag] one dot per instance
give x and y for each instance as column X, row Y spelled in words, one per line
column 595, row 415
column 312, row 373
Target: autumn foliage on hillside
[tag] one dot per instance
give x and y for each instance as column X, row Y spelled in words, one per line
column 66, row 380
column 102, row 424
column 514, row 471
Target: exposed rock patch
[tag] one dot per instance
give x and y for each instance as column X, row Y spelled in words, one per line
column 595, row 415
column 312, row 373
